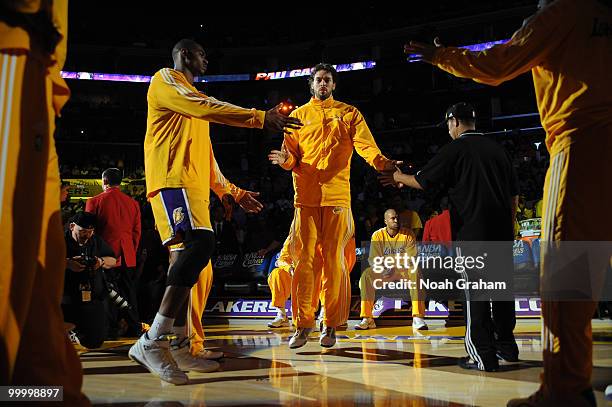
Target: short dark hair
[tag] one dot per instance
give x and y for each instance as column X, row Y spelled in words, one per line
column 322, row 66
column 113, row 176
column 185, row 43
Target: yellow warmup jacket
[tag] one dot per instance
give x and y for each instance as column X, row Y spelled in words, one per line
column 32, row 94
column 383, row 245
column 321, row 151
column 17, row 39
column 177, row 145
column 568, row 47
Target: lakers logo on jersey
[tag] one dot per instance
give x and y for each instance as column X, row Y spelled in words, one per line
column 178, row 215
column 337, row 210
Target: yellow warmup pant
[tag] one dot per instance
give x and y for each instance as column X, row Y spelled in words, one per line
column 576, row 207
column 279, row 282
column 350, row 257
column 34, row 347
column 279, row 279
column 280, row 285
column 195, row 309
column 331, row 228
column 368, row 291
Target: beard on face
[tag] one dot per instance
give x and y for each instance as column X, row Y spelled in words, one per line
column 322, row 95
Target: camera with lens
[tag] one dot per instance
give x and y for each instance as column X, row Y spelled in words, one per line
column 115, row 297
column 87, row 259
column 120, row 302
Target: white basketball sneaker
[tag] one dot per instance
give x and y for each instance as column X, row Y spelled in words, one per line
column 366, row 323
column 154, row 354
column 299, row 338
column 419, row 323
column 280, row 321
column 186, row 361
column 328, row 337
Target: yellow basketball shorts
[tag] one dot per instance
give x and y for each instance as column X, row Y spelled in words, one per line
column 177, row 210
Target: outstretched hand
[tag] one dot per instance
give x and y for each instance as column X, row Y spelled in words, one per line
column 391, row 165
column 277, row 121
column 427, row 51
column 249, row 202
column 278, row 157
column 391, row 178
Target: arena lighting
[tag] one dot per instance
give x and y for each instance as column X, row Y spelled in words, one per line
column 112, row 77
column 515, row 116
column 504, row 131
column 355, row 66
column 473, row 47
column 287, row 107
column 294, row 73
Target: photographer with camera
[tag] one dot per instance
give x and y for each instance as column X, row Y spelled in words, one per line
column 84, row 302
column 118, row 217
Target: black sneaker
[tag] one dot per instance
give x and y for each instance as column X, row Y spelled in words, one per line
column 503, row 360
column 470, row 364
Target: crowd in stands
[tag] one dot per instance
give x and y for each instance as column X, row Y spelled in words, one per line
column 369, row 198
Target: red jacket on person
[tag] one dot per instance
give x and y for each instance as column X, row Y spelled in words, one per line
column 438, row 228
column 118, row 223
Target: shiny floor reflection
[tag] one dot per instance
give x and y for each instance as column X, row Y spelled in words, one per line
column 387, row 366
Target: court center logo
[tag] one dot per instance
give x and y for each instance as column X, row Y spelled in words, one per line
column 178, row 215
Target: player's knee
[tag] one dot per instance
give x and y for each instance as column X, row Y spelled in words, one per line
column 273, row 274
column 199, row 245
